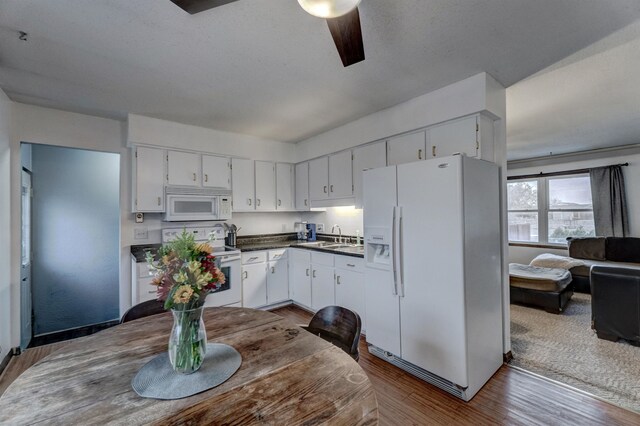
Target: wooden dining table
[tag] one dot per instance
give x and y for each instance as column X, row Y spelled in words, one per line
column 287, row 376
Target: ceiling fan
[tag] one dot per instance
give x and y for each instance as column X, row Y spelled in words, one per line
column 342, row 18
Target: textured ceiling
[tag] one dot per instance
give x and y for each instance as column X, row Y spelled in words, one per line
column 266, row 68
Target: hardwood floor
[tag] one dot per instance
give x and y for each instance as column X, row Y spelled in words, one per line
column 511, row 397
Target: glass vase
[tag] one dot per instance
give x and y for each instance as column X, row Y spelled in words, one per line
column 188, row 340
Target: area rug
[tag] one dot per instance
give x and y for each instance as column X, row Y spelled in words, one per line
column 564, row 348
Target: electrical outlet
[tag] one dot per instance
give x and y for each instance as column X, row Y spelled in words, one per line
column 140, row 233
column 319, row 227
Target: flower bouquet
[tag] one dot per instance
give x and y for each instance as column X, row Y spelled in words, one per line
column 184, row 274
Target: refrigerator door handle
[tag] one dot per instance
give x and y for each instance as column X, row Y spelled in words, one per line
column 400, row 255
column 393, row 251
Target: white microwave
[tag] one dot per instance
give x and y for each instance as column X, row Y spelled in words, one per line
column 184, row 204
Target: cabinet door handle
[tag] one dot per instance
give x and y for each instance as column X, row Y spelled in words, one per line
column 433, row 150
column 206, row 177
column 249, row 201
column 159, row 200
column 245, row 275
column 257, row 201
column 419, row 154
column 151, row 291
column 325, row 189
column 279, row 202
column 305, row 201
column 338, row 280
column 331, row 188
column 307, row 271
column 273, row 270
column 351, row 265
column 313, row 275
column 194, row 177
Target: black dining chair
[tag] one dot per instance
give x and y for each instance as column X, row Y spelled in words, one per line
column 339, row 326
column 144, row 309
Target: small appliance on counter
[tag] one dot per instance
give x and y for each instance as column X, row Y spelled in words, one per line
column 300, row 228
column 311, row 231
column 232, row 233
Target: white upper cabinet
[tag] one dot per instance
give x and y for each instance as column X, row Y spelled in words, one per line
column 472, row 136
column 331, row 177
column 284, row 187
column 148, row 178
column 183, row 168
column 216, row 172
column 406, row 148
column 302, row 186
column 319, row 178
column 340, row 175
column 265, row 185
column 365, row 158
column 243, row 185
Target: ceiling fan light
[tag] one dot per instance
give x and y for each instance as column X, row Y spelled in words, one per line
column 328, row 8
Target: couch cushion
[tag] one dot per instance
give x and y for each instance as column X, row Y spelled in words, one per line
column 536, row 278
column 584, row 270
column 623, row 249
column 587, row 248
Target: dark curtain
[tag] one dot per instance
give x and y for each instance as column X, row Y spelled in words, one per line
column 609, row 201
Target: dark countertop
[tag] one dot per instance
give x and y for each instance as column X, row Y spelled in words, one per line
column 269, row 245
column 138, row 251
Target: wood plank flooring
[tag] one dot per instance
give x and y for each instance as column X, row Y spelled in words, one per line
column 511, row 397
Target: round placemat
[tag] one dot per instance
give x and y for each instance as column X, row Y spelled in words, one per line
column 157, row 379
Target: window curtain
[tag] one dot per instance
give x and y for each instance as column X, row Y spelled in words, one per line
column 609, row 201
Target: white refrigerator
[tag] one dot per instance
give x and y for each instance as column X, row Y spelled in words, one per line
column 432, row 276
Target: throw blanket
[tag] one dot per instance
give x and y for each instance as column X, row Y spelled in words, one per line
column 548, row 260
column 537, row 273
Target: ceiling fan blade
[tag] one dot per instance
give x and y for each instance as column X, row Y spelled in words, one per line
column 196, row 6
column 347, row 35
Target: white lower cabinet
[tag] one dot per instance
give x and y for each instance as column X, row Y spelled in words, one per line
column 277, row 277
column 322, row 287
column 350, row 285
column 265, row 278
column 300, row 276
column 254, row 285
column 141, row 288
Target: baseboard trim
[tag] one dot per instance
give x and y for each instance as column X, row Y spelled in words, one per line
column 72, row 333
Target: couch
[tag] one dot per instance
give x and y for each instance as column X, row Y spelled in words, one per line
column 615, row 303
column 619, row 252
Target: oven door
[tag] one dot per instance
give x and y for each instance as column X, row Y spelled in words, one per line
column 231, row 292
column 191, row 207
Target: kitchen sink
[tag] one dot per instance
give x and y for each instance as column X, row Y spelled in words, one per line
column 349, row 248
column 315, row 243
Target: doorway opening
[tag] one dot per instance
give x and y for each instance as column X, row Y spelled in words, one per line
column 70, row 242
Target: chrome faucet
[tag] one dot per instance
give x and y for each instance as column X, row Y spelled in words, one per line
column 339, row 240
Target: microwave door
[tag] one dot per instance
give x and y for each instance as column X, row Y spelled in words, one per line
column 192, row 208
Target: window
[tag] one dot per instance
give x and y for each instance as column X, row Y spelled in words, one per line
column 547, row 210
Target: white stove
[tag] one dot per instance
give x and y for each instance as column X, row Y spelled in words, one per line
column 229, row 259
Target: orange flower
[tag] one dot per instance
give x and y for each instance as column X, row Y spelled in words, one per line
column 183, row 294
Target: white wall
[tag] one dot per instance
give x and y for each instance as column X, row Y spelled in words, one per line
column 469, row 96
column 6, row 261
column 583, row 161
column 167, row 134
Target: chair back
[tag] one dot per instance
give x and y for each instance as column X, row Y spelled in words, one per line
column 338, row 325
column 144, row 309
